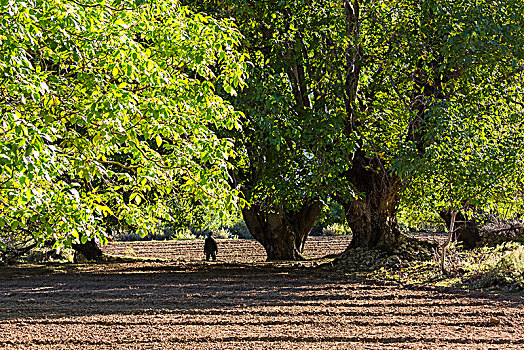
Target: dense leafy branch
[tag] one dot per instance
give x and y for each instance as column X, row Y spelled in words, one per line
column 107, row 109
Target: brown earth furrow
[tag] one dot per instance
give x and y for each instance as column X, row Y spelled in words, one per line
column 286, row 335
column 229, row 250
column 226, row 320
column 242, row 306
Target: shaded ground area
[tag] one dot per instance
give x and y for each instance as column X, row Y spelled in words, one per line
column 230, row 250
column 241, row 306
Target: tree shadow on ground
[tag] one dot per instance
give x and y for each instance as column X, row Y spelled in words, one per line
column 240, row 295
column 184, row 286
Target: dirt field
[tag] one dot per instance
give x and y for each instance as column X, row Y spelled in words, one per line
column 229, row 250
column 241, row 305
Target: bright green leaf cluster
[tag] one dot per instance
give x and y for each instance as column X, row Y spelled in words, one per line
column 107, row 108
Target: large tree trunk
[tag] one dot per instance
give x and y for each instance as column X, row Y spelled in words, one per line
column 282, row 233
column 373, row 215
column 466, row 231
column 89, row 250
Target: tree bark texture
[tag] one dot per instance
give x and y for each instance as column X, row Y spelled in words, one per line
column 373, row 215
column 89, row 250
column 466, row 231
column 282, row 233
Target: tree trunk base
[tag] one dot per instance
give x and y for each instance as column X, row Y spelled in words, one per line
column 90, row 251
column 372, row 215
column 282, row 233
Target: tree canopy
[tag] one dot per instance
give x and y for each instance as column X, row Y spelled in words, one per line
column 376, row 103
column 108, row 107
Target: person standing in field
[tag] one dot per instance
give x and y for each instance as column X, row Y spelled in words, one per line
column 210, row 247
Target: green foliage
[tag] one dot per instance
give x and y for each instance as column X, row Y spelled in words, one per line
column 333, row 213
column 107, row 109
column 184, row 235
column 440, row 101
column 498, row 268
column 475, row 161
column 188, row 213
column 429, row 221
column 110, row 108
column 513, row 262
column 238, row 229
column 336, row 229
column 507, row 270
column 289, row 99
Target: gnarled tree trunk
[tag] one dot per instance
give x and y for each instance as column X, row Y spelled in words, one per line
column 89, row 250
column 373, row 216
column 282, row 233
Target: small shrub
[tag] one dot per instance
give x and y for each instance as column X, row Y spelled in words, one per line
column 336, row 229
column 222, row 233
column 130, row 252
column 129, row 237
column 183, row 235
column 48, row 255
column 514, row 260
column 240, row 230
column 506, row 271
column 511, row 267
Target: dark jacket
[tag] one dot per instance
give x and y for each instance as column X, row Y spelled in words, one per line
column 210, row 245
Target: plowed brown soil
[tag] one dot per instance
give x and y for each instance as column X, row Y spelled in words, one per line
column 200, row 305
column 229, row 250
